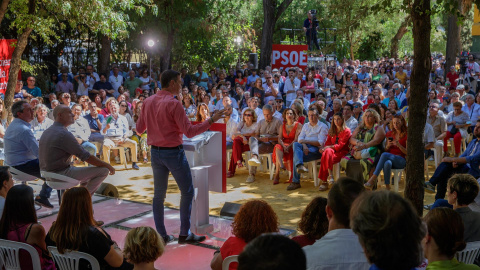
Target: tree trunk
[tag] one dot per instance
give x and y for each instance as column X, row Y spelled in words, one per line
column 271, row 13
column 420, row 13
column 402, row 30
column 167, row 52
column 14, row 69
column 104, row 54
column 3, row 8
column 453, row 39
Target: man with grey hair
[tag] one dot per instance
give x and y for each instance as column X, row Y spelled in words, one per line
column 21, row 148
column 228, row 101
column 337, row 107
column 311, row 139
column 58, row 145
column 53, row 104
column 264, row 140
column 398, row 92
column 225, row 93
column 472, row 109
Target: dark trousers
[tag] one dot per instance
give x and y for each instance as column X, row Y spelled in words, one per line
column 33, row 168
column 312, row 38
column 443, row 172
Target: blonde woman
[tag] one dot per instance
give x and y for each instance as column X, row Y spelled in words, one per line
column 143, row 246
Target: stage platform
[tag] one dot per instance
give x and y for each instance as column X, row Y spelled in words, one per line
column 121, row 215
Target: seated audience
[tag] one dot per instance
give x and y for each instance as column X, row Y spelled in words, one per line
column 125, row 111
column 366, row 141
column 75, row 229
column 313, row 223
column 56, row 148
column 311, row 139
column 272, row 251
column 299, row 109
column 81, row 130
column 189, row 107
column 468, row 162
column 264, row 139
column 40, row 121
column 439, row 126
column 339, row 248
column 143, row 246
column 116, row 131
column 389, row 230
column 203, row 112
column 350, row 121
column 336, row 147
column 108, row 107
column 21, row 148
column 19, row 223
column 458, row 121
column 395, row 153
column 283, row 151
column 254, row 218
column 66, row 100
column 6, row 183
column 245, row 130
column 231, row 125
column 444, row 239
column 95, row 121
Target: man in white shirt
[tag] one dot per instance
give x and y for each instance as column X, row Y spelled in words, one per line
column 227, row 101
column 292, row 84
column 253, row 104
column 398, row 92
column 116, row 80
column 231, row 125
column 225, row 93
column 340, row 248
column 311, row 139
column 116, row 131
column 276, row 114
column 270, row 87
column 350, row 121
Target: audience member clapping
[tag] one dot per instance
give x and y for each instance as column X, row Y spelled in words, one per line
column 75, row 229
column 143, row 246
column 314, row 222
column 253, row 219
column 272, row 251
column 444, row 238
column 389, row 230
column 19, row 223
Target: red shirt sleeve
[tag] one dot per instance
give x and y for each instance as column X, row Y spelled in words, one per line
column 343, row 141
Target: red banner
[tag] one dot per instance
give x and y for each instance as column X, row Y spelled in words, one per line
column 6, row 51
column 289, row 56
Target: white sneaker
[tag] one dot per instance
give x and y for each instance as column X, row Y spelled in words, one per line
column 251, row 178
column 431, row 158
column 117, row 159
column 254, row 162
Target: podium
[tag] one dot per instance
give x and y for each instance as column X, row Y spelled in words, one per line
column 206, row 160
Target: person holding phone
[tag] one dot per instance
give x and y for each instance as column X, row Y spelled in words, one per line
column 395, row 152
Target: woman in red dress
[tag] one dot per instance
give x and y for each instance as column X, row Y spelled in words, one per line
column 283, row 151
column 336, row 147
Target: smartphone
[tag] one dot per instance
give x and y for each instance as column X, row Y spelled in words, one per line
column 445, row 98
column 109, row 119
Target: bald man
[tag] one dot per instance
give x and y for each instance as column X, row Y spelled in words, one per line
column 57, row 146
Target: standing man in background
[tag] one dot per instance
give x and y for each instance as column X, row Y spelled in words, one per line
column 310, row 26
column 164, row 118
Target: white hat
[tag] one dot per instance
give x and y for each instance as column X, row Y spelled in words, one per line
column 461, row 86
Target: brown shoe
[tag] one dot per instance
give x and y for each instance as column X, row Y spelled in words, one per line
column 294, row 186
column 323, row 187
column 276, row 179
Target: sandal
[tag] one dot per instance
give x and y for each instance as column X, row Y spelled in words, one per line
column 369, row 186
column 145, row 160
column 330, row 180
column 240, row 164
column 276, row 179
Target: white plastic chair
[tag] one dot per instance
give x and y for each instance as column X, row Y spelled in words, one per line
column 312, row 167
column 463, row 145
column 70, row 260
column 10, row 255
column 62, row 181
column 18, row 175
column 336, row 171
column 470, row 253
column 269, row 159
column 228, row 260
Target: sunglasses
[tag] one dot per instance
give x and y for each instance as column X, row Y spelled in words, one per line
column 123, row 105
column 247, row 114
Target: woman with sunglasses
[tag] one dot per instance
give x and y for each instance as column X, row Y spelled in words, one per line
column 245, row 129
column 146, row 80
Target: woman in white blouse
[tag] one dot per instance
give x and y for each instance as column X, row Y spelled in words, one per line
column 245, row 129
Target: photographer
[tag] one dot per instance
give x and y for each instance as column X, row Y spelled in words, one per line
column 83, row 85
column 310, row 26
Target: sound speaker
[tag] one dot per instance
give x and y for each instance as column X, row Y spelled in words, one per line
column 253, row 58
column 230, row 209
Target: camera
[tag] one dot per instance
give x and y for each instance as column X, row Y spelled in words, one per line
column 313, row 12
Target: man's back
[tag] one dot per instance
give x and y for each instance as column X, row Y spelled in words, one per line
column 338, row 249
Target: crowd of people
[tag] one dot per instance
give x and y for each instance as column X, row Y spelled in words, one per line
column 354, row 114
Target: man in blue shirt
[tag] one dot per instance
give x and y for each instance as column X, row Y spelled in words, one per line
column 31, row 88
column 95, row 121
column 201, row 77
column 21, row 147
column 468, row 162
column 363, row 75
column 251, row 79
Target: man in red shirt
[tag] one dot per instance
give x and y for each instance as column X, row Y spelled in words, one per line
column 164, row 118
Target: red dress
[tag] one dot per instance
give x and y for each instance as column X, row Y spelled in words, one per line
column 330, row 156
column 288, row 139
column 301, row 119
column 233, row 246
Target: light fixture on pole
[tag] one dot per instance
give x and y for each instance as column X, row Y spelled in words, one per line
column 150, row 44
column 238, row 40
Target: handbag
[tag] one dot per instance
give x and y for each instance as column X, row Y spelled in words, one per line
column 453, row 130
